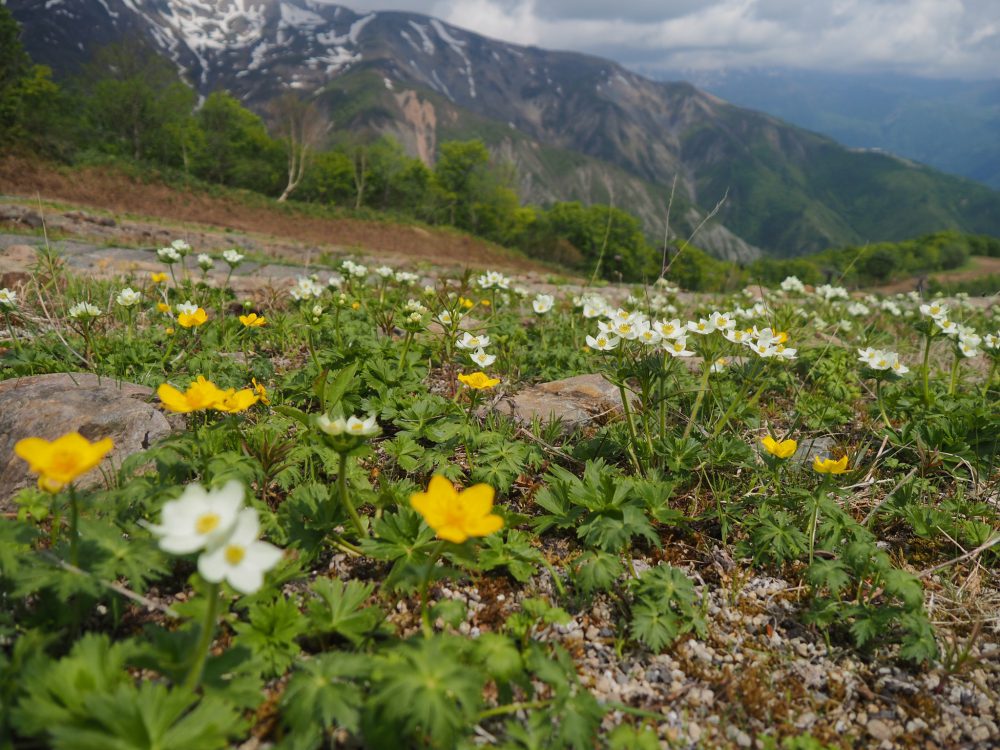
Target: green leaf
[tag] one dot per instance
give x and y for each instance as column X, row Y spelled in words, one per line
column 324, row 693
column 596, row 571
column 515, row 553
column 338, row 608
column 270, row 634
column 499, row 656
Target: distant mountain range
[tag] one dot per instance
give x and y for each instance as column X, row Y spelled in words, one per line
column 576, row 127
column 951, row 125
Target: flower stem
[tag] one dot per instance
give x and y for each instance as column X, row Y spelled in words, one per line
column 881, row 405
column 633, row 435
column 813, row 522
column 702, row 388
column 926, row 368
column 510, row 708
column 193, row 679
column 342, row 491
column 954, row 375
column 74, row 523
column 406, row 348
column 425, row 614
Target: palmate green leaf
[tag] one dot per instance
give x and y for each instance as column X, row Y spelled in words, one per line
column 16, row 538
column 138, row 560
column 918, row 643
column 579, row 716
column 596, row 571
column 499, row 656
column 904, row 585
column 325, row 692
column 56, row 693
column 515, row 553
column 653, row 627
column 613, row 529
column 424, row 689
column 338, row 607
column 150, row 717
column 828, row 574
column 402, row 538
column 271, row 634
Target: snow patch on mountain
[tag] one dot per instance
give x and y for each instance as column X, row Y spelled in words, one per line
column 458, row 47
column 358, row 26
column 429, row 47
column 296, row 17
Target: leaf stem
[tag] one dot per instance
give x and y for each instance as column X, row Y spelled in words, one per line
column 193, row 679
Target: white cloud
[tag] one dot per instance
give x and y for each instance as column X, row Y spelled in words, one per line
column 924, row 37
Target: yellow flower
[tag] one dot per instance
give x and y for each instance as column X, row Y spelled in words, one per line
column 484, row 302
column 193, row 320
column 163, row 307
column 456, row 516
column 234, row 401
column 830, row 466
column 201, row 394
column 158, row 278
column 64, row 459
column 169, row 331
column 355, row 305
column 784, row 449
column 478, row 380
column 253, row 320
column 782, row 337
column 261, row 392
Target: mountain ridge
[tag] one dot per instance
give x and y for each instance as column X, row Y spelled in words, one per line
column 788, row 190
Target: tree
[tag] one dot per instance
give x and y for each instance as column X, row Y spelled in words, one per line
column 460, row 173
column 136, row 102
column 235, row 148
column 302, row 127
column 28, row 97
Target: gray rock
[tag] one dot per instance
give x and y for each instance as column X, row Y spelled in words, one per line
column 816, row 446
column 577, row 401
column 48, row 406
column 879, row 730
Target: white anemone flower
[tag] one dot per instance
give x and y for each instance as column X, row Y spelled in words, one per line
column 738, row 335
column 678, row 348
column 182, row 247
column 8, row 298
column 233, row 257
column 792, row 284
column 701, row 327
column 543, row 303
column 602, row 342
column 947, row 327
column 351, row 426
column 199, row 518
column 386, row 272
column 470, row 342
column 128, row 297
column 934, row 310
column 84, row 310
column 186, row 308
column 168, row 255
column 242, row 559
column 764, row 349
column 670, row 329
column 205, row 262
column 647, row 334
column 967, row 349
column 722, row 321
column 482, row 359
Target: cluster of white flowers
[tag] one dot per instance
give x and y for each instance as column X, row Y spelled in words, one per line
column 543, row 303
column 84, row 311
column 666, row 286
column 891, row 307
column 128, row 297
column 992, row 341
column 477, row 346
column 205, row 262
column 8, row 298
column 186, row 308
column 356, row 270
column 493, row 280
column 792, row 284
column 759, row 310
column 968, row 342
column 215, row 523
column 182, row 247
column 385, row 272
column 355, row 426
column 406, row 277
column 168, row 255
column 233, row 257
column 305, row 289
column 830, row 293
column 858, row 309
column 881, row 359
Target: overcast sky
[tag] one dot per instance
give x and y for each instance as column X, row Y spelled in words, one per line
column 938, row 38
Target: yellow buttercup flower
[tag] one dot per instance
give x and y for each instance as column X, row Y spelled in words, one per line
column 59, row 462
column 478, row 380
column 783, row 449
column 169, row 331
column 261, row 392
column 193, row 320
column 355, row 305
column 236, row 401
column 829, row 465
column 253, row 320
column 456, row 516
column 158, row 278
column 163, row 307
column 201, row 394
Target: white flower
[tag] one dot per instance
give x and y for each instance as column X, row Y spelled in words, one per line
column 737, row 335
column 702, row 327
column 970, row 338
column 764, row 349
column 317, row 310
column 626, row 329
column 543, row 303
column 899, row 368
column 647, row 334
column 199, row 518
column 967, row 349
column 858, row 309
column 483, row 359
column 84, row 310
column 671, row 329
column 205, row 262
column 350, row 426
column 182, row 247
column 602, row 342
column 128, row 297
column 187, row 308
column 305, row 289
column 8, row 298
column 784, row 352
column 168, row 255
column 792, row 284
column 232, row 257
column 719, row 365
column 947, row 327
column 470, row 342
column 385, row 272
column 493, row 280
column 354, row 269
column 722, row 321
column 242, row 559
column 405, row 277
column 829, row 293
column 678, row 348
column 992, row 340
column 934, row 310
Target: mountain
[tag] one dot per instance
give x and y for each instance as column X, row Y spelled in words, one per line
column 575, row 126
column 951, row 125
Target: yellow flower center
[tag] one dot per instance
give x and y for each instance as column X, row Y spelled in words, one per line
column 235, row 554
column 207, row 523
column 357, row 427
